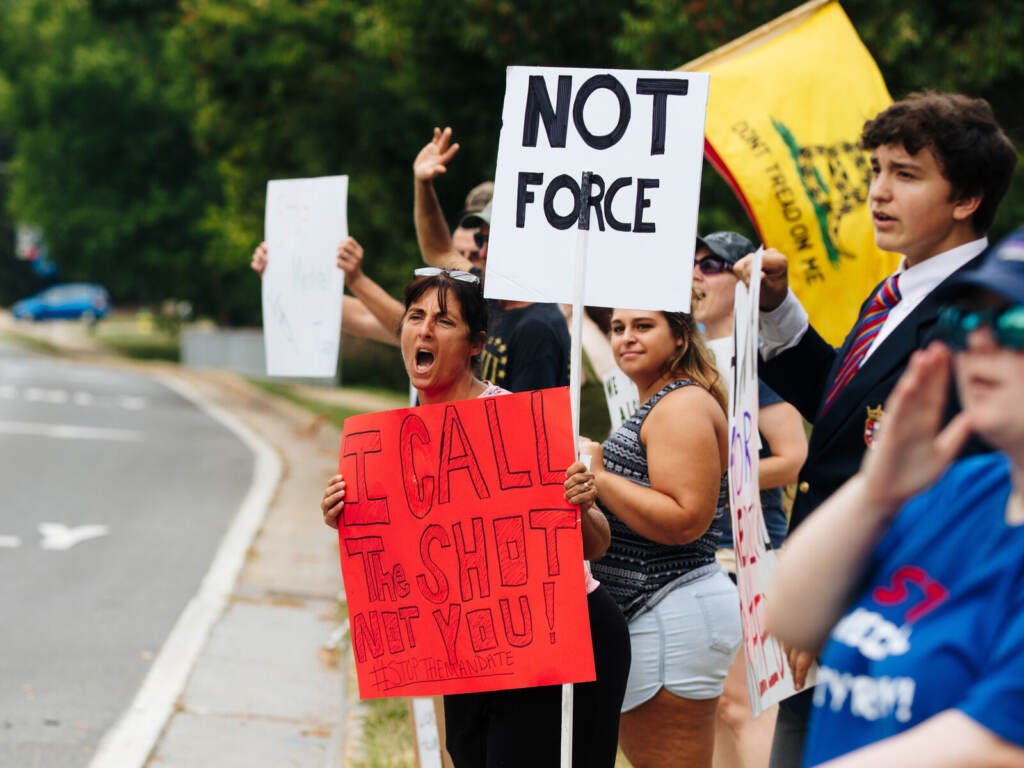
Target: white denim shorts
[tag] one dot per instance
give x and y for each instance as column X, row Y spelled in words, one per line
column 686, row 642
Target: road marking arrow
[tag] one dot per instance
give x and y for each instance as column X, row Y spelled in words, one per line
column 60, row 536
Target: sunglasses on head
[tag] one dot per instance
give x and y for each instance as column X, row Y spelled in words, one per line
column 1007, row 324
column 480, row 238
column 454, row 274
column 713, row 265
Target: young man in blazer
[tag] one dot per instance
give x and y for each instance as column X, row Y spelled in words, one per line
column 941, row 165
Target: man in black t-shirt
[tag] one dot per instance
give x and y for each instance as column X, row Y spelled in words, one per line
column 528, row 343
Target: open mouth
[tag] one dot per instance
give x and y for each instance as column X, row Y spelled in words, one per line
column 424, row 359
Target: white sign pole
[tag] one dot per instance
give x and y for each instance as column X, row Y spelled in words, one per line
column 428, row 741
column 575, row 385
column 576, row 336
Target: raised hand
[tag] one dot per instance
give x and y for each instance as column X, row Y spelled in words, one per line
column 350, row 259
column 433, row 159
column 911, row 449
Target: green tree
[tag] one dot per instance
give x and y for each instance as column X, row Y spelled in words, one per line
column 103, row 158
column 312, row 88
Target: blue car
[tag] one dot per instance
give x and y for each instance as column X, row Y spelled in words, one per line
column 66, row 301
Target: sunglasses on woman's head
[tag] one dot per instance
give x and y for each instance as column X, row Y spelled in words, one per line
column 454, row 274
column 713, row 265
column 1007, row 324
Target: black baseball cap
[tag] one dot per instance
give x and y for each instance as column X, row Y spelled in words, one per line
column 728, row 246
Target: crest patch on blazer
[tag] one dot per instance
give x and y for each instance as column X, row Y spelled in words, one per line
column 872, row 423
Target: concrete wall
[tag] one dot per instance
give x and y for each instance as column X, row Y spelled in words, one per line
column 233, row 349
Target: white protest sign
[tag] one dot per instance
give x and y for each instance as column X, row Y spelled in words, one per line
column 305, row 222
column 641, row 135
column 622, row 396
column 768, row 676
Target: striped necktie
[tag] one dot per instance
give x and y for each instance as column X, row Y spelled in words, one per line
column 885, row 299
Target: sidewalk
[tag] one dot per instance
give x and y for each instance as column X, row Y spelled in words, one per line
column 270, row 685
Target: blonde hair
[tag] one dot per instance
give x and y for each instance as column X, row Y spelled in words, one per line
column 693, row 360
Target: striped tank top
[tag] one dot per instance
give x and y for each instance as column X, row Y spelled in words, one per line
column 637, row 571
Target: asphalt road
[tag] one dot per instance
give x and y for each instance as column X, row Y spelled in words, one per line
column 114, row 494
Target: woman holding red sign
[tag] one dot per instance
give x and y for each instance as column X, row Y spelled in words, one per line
column 658, row 479
column 442, row 331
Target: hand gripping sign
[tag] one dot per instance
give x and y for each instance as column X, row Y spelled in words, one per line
column 463, row 563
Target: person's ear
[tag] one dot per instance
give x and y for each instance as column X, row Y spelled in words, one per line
column 477, row 345
column 966, row 206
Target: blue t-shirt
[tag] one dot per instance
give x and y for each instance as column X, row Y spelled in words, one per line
column 938, row 623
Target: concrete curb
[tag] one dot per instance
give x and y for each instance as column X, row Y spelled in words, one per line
column 266, row 690
column 131, row 740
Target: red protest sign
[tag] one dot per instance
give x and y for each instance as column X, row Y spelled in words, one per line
column 463, row 563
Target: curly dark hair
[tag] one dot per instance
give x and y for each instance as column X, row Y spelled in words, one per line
column 975, row 155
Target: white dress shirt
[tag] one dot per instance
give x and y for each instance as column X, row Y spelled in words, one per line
column 784, row 326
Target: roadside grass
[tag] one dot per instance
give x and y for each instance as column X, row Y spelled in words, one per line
column 31, row 342
column 118, row 334
column 137, row 337
column 387, row 740
column 336, row 413
column 141, row 347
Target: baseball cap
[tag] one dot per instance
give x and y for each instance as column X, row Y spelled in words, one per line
column 478, row 197
column 728, row 246
column 1002, row 271
column 474, row 220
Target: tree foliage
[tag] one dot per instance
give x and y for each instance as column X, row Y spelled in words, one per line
column 103, row 159
column 140, row 134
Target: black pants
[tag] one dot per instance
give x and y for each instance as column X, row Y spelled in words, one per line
column 523, row 726
column 791, row 730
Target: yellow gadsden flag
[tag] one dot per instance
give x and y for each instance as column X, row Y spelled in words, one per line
column 785, row 112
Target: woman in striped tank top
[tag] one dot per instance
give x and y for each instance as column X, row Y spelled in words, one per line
column 658, row 479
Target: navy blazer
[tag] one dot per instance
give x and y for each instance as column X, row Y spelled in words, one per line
column 838, row 439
